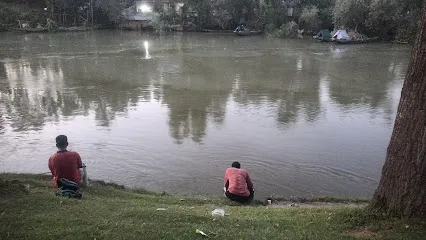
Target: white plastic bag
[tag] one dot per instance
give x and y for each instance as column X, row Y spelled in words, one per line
column 218, row 212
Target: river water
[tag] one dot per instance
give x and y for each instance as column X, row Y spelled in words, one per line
column 172, row 113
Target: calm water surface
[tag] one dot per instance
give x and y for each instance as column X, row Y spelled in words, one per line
column 171, row 113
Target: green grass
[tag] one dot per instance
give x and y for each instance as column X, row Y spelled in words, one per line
column 30, row 210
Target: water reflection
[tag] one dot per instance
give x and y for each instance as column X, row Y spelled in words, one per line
column 295, row 106
column 195, row 85
column 146, row 45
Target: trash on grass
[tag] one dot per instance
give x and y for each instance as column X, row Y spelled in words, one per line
column 198, row 231
column 218, row 212
column 161, row 209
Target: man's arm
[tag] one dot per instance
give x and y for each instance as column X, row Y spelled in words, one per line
column 249, row 182
column 50, row 165
column 226, row 180
column 79, row 162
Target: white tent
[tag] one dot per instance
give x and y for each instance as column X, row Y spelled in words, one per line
column 341, row 35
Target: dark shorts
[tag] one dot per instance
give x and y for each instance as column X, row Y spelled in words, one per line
column 238, row 198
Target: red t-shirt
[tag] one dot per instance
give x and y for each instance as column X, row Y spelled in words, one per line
column 64, row 164
column 239, row 181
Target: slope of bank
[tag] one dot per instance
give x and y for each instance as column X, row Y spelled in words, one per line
column 30, row 210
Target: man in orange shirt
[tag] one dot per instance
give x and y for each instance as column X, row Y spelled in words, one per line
column 238, row 186
column 65, row 164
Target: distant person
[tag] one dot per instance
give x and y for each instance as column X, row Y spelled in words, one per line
column 65, row 164
column 240, row 28
column 238, row 186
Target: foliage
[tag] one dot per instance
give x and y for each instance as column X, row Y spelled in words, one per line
column 11, row 13
column 113, row 8
column 164, row 19
column 270, row 29
column 160, row 24
column 30, row 210
column 78, row 12
column 381, row 18
column 221, row 17
column 388, row 19
column 223, row 14
column 394, row 19
column 242, row 11
column 287, row 30
column 274, row 13
column 203, row 15
column 309, row 19
column 407, row 26
column 350, row 14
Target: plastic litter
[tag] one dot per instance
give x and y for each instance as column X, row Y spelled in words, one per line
column 85, row 176
column 218, row 212
column 198, row 231
column 161, row 209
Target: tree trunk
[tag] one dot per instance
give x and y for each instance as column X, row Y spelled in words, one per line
column 402, row 188
column 91, row 10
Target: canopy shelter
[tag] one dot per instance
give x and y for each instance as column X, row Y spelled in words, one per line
column 323, row 35
column 341, row 35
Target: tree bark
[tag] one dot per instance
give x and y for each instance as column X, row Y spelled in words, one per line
column 402, row 188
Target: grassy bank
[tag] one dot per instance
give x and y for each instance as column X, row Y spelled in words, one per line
column 30, row 210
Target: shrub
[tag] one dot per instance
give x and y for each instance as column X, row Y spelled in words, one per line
column 309, row 19
column 11, row 13
column 287, row 30
column 160, row 25
column 270, row 29
column 351, row 14
column 394, row 19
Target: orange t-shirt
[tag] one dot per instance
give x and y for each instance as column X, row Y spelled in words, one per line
column 239, row 181
column 64, row 164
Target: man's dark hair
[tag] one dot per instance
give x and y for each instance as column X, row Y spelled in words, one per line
column 236, row 165
column 61, row 141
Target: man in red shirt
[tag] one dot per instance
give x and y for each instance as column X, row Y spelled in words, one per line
column 65, row 164
column 238, row 186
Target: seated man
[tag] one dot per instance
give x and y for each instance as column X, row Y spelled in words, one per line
column 65, row 164
column 238, row 186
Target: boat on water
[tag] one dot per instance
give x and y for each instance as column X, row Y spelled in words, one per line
column 72, row 29
column 59, row 29
column 342, row 37
column 247, row 33
column 30, row 30
column 324, row 35
column 216, row 31
column 365, row 40
column 243, row 31
column 342, row 41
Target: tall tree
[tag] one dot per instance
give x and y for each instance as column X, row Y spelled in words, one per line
column 402, row 188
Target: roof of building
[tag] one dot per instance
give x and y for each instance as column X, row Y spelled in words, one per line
column 132, row 15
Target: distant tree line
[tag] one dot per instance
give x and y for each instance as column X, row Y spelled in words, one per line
column 387, row 19
column 63, row 12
